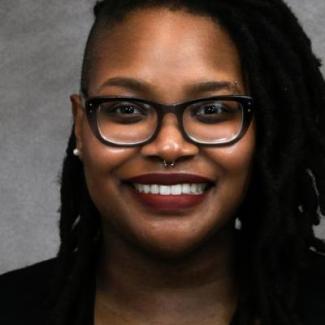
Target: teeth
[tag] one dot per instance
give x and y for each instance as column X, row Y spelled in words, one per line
column 176, row 189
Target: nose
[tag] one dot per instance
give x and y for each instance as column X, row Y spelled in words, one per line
column 169, row 144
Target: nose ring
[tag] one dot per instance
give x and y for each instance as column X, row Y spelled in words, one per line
column 167, row 164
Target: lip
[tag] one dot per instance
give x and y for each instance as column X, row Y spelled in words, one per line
column 168, row 178
column 168, row 203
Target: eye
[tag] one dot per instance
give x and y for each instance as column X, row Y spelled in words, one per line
column 122, row 112
column 212, row 108
column 122, row 108
column 216, row 107
column 214, row 111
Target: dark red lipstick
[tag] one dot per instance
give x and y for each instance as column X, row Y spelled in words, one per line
column 169, row 203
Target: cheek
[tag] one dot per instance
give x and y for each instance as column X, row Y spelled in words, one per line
column 235, row 160
column 101, row 163
column 100, row 158
column 238, row 158
column 234, row 165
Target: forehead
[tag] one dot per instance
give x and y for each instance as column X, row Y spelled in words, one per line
column 164, row 46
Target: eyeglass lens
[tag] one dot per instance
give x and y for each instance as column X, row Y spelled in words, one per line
column 206, row 121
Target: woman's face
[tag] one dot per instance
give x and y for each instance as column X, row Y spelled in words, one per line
column 168, row 53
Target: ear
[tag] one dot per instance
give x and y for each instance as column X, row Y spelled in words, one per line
column 78, row 116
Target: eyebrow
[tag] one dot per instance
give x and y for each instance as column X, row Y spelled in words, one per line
column 143, row 86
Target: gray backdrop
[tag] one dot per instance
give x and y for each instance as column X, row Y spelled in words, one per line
column 41, row 45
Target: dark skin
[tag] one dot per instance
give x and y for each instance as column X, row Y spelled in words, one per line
column 170, row 268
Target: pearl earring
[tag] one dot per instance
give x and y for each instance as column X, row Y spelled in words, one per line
column 76, row 152
column 238, row 224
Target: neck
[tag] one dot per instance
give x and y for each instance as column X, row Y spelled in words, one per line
column 202, row 282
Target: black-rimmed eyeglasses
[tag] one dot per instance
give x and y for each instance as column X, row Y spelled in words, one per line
column 128, row 121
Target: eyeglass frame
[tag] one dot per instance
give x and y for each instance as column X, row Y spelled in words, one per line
column 91, row 105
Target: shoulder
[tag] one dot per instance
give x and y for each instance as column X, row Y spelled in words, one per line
column 312, row 290
column 24, row 292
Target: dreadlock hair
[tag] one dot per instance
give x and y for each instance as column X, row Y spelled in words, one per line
column 286, row 197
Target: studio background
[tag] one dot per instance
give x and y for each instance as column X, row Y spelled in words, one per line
column 41, row 47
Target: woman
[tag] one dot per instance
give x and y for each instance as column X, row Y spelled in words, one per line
column 193, row 176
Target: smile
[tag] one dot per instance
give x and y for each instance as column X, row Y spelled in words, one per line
column 176, row 189
column 170, row 198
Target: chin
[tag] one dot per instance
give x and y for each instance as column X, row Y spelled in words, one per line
column 169, row 252
column 177, row 248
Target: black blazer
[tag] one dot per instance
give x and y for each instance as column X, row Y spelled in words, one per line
column 24, row 291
